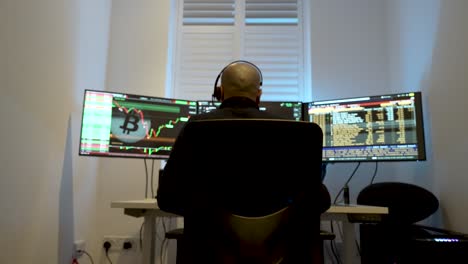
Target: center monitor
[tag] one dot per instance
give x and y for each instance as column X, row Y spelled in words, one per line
column 370, row 128
column 290, row 110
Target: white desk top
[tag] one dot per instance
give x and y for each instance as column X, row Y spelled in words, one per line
column 357, row 209
column 136, row 204
column 334, row 209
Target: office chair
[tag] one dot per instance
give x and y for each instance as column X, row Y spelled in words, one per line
column 398, row 238
column 256, row 193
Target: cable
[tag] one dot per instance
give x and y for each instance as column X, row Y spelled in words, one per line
column 146, row 179
column 347, row 182
column 324, row 170
column 108, row 258
column 375, row 173
column 107, row 245
column 358, row 247
column 333, row 245
column 141, row 236
column 87, row 254
column 158, row 235
column 163, row 246
column 165, row 241
column 152, row 177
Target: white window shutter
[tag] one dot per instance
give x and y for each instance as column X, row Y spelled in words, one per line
column 215, row 32
column 273, row 40
column 203, row 53
column 278, row 53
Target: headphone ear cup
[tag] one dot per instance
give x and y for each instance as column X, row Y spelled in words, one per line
column 217, row 90
column 217, row 93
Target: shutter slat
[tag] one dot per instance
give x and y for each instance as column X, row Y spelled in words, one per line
column 207, row 1
column 271, row 12
column 208, row 12
column 272, row 7
column 270, row 1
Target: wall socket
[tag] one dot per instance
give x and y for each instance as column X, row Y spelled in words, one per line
column 117, row 242
column 79, row 245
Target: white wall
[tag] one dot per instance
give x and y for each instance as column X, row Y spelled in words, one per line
column 429, row 40
column 348, row 48
column 412, row 27
column 91, row 53
column 44, row 64
column 349, row 58
column 137, row 61
column 35, row 102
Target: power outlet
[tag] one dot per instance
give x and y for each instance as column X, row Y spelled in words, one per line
column 117, row 243
column 79, row 246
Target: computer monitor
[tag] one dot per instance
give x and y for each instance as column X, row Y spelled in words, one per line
column 207, row 106
column 370, row 128
column 288, row 110
column 131, row 126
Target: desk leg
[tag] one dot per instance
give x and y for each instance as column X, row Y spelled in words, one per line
column 349, row 237
column 149, row 238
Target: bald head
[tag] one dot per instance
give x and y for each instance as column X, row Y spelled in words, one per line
column 241, row 79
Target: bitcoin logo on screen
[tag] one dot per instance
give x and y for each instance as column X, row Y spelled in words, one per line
column 133, row 122
column 129, row 127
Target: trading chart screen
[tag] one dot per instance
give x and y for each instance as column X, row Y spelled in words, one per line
column 370, row 128
column 127, row 125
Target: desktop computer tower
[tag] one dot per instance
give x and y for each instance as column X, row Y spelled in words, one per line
column 410, row 244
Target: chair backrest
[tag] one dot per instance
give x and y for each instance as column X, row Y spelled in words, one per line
column 258, row 181
column 255, row 239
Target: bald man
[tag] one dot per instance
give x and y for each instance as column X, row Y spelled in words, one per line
column 239, row 94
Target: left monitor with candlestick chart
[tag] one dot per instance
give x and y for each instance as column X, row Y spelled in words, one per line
column 116, row 124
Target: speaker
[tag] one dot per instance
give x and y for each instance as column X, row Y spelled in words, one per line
column 217, row 90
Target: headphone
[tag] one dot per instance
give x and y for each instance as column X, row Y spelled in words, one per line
column 217, row 89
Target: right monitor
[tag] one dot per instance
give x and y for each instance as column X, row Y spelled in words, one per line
column 370, row 128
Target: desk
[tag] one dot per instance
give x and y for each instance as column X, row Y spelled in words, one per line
column 148, row 208
column 348, row 215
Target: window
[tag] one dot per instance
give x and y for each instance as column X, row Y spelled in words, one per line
column 212, row 33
